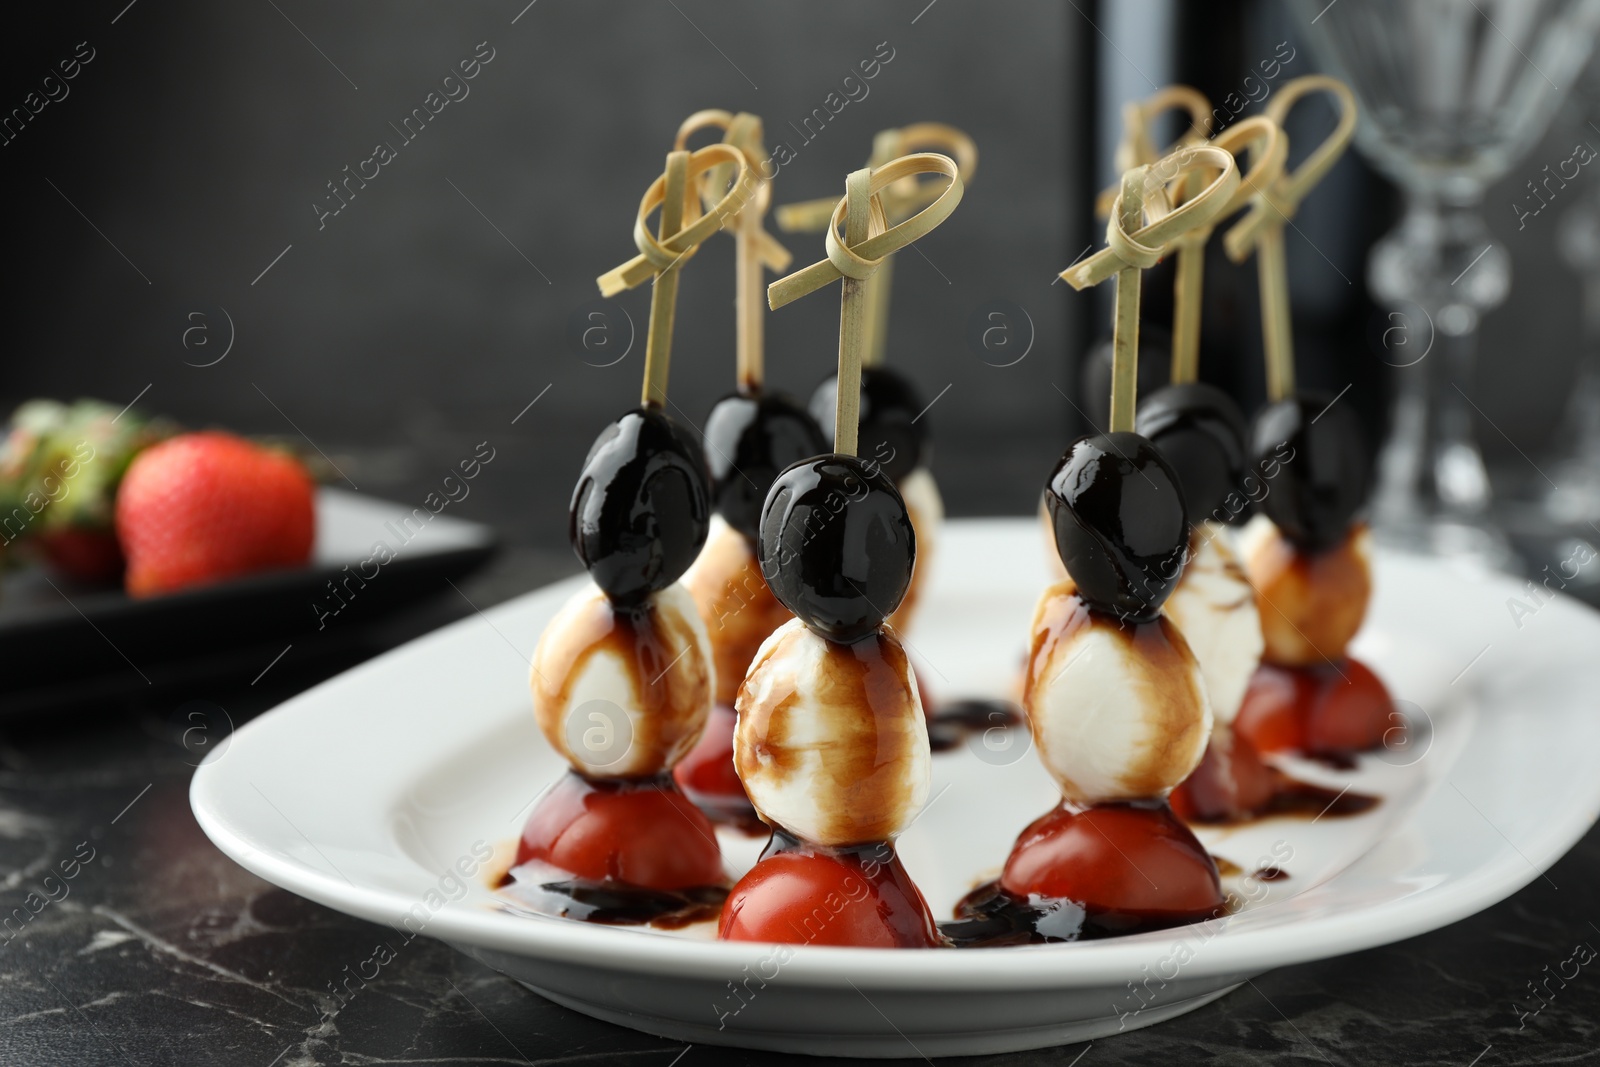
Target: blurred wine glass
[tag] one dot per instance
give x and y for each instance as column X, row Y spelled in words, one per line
column 1574, row 498
column 1453, row 94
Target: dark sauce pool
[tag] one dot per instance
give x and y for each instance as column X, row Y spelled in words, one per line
column 612, row 903
column 953, row 721
column 1292, row 798
column 990, row 917
column 736, row 813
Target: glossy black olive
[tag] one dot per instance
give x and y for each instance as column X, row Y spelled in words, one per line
column 891, row 434
column 1202, row 435
column 1155, row 367
column 749, row 440
column 1314, row 462
column 642, row 506
column 837, row 545
column 1119, row 522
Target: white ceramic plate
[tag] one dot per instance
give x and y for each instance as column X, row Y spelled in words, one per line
column 370, row 792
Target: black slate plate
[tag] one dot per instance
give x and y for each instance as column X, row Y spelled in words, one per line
column 60, row 643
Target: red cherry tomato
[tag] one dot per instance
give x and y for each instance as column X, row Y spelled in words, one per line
column 1116, row 858
column 639, row 833
column 1231, row 782
column 817, row 898
column 1332, row 710
column 1351, row 712
column 1270, row 717
column 707, row 770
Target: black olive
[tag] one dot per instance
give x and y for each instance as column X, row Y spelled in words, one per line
column 836, row 545
column 1155, row 366
column 1202, row 435
column 1314, row 463
column 642, row 506
column 890, row 433
column 1119, row 521
column 749, row 439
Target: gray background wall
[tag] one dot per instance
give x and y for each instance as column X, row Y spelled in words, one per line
column 412, row 326
column 418, row 323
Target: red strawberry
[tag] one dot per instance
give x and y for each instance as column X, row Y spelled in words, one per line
column 202, row 507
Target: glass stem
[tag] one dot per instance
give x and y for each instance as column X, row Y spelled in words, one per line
column 1461, row 482
column 1443, row 268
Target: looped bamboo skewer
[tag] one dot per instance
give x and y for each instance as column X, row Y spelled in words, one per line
column 1136, row 148
column 1131, row 249
column 900, row 201
column 1268, row 149
column 1262, row 228
column 744, row 132
column 867, row 243
column 655, row 256
column 1146, row 247
column 756, row 248
column 682, row 228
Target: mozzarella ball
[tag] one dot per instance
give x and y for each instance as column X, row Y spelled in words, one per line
column 1311, row 604
column 1118, row 709
column 738, row 608
column 831, row 743
column 1214, row 608
column 623, row 694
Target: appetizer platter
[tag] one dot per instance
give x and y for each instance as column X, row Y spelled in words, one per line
column 702, row 792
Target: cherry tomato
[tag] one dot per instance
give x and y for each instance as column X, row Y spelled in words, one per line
column 1331, row 710
column 1231, row 782
column 818, row 898
column 1270, row 718
column 1116, row 858
column 638, row 833
column 1351, row 712
column 708, row 768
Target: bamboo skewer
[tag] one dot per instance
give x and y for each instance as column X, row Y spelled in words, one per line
column 755, row 247
column 852, row 316
column 1149, row 244
column 1261, row 229
column 900, row 201
column 682, row 228
column 750, row 347
column 1125, row 327
column 1131, row 249
column 664, row 296
column 1136, row 148
column 1188, row 285
column 1259, row 134
column 867, row 243
column 1261, row 137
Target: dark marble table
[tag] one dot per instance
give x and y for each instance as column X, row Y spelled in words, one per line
column 161, row 951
